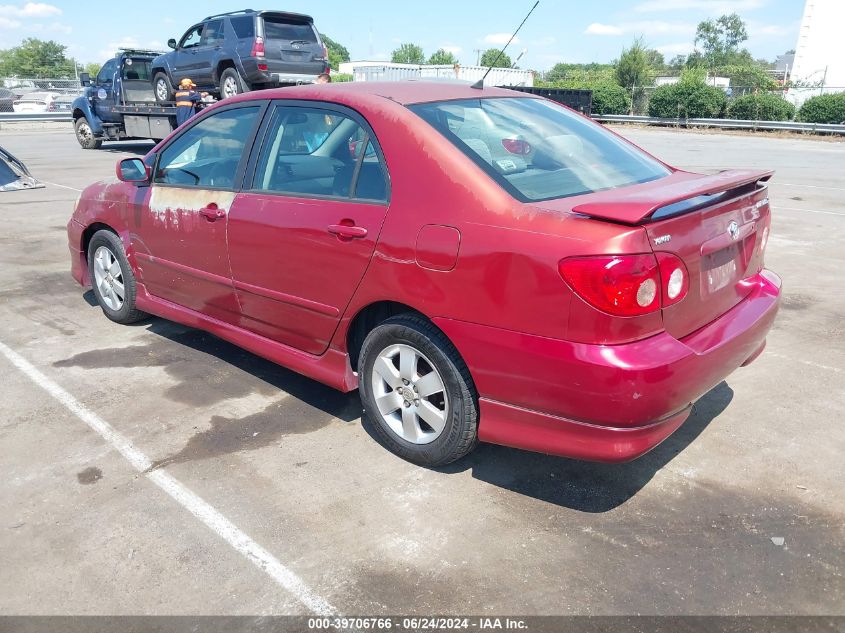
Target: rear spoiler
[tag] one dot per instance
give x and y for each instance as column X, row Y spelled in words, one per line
column 681, row 192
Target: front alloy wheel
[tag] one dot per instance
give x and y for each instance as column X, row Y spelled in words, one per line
column 109, row 278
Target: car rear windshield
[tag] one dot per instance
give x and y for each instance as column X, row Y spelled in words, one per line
column 286, row 29
column 538, row 150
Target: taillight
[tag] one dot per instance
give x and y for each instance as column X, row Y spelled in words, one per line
column 257, row 47
column 627, row 285
column 622, row 285
column 674, row 278
column 262, row 67
column 516, row 146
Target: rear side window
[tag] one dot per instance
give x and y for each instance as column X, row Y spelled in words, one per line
column 316, row 152
column 136, row 69
column 538, row 150
column 244, row 27
column 278, row 29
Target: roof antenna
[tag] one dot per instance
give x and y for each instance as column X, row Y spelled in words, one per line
column 479, row 85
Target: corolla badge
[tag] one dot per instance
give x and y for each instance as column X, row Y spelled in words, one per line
column 662, row 239
column 733, row 230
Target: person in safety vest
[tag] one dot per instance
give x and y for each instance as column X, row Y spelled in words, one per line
column 187, row 100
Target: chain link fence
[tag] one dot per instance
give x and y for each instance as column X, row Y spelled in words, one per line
column 14, row 89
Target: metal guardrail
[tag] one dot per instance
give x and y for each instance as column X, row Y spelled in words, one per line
column 20, row 117
column 736, row 124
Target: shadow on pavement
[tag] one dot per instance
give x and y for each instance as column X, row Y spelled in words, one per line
column 123, row 147
column 587, row 486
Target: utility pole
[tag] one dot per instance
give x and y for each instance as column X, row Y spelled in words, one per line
column 478, row 52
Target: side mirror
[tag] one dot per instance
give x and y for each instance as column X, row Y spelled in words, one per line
column 171, row 43
column 133, row 170
column 84, row 79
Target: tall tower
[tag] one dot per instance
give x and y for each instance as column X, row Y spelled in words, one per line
column 820, row 51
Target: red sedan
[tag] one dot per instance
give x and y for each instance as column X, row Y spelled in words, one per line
column 479, row 264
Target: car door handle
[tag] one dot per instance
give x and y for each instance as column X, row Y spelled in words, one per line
column 212, row 213
column 347, row 231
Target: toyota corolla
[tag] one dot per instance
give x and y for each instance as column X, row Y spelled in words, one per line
column 482, row 265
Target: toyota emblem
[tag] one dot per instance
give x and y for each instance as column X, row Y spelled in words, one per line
column 733, row 230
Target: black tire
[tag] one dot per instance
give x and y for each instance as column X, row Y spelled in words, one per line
column 126, row 312
column 460, row 433
column 162, row 88
column 85, row 136
column 232, row 78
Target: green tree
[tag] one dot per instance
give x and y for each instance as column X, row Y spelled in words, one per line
column 92, row 68
column 720, row 39
column 36, row 58
column 633, row 67
column 337, row 52
column 489, row 58
column 408, row 54
column 442, row 57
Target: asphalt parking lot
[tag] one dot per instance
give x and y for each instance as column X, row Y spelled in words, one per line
column 742, row 511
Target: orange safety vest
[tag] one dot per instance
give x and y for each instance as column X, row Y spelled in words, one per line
column 183, row 93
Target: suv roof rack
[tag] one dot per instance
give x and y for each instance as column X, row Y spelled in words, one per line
column 138, row 51
column 220, row 15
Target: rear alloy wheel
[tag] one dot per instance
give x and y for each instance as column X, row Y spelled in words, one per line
column 162, row 89
column 231, row 84
column 112, row 278
column 417, row 391
column 85, row 136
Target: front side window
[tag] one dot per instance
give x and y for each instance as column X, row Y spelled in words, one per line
column 208, row 154
column 312, row 151
column 538, row 150
column 104, row 77
column 192, row 38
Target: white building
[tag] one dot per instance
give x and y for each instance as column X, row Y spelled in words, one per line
column 820, row 51
column 388, row 71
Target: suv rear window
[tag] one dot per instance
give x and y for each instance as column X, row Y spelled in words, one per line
column 244, row 27
column 280, row 29
column 538, row 150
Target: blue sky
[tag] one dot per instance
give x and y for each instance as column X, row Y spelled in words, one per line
column 559, row 30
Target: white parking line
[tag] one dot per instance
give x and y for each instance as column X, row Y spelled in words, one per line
column 55, row 184
column 793, row 184
column 804, row 362
column 777, row 206
column 202, row 510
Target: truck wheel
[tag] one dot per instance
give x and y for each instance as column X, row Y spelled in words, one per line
column 231, row 83
column 85, row 136
column 162, row 89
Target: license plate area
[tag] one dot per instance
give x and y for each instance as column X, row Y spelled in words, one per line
column 720, row 269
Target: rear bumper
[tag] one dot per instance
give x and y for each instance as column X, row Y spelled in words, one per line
column 605, row 402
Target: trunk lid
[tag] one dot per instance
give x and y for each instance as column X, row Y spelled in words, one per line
column 714, row 224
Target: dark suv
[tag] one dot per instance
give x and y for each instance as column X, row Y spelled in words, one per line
column 240, row 51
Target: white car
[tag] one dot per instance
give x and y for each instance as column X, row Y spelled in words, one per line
column 36, row 102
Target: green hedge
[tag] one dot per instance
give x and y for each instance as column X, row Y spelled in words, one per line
column 761, row 107
column 608, row 97
column 686, row 100
column 824, row 109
